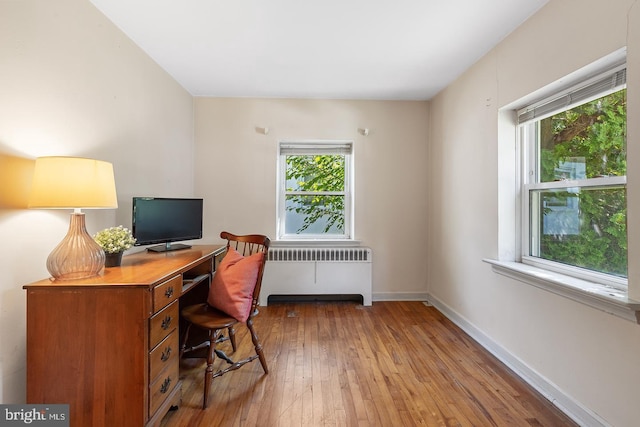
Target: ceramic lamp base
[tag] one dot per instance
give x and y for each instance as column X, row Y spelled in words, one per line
column 77, row 256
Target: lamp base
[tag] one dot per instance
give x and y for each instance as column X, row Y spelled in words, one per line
column 77, row 256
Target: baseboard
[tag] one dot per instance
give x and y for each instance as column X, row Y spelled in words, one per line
column 573, row 409
column 378, row 296
column 400, row 296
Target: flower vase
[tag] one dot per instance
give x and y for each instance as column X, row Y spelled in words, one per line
column 113, row 259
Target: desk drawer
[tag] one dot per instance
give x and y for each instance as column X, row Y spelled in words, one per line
column 166, row 292
column 165, row 354
column 163, row 323
column 160, row 389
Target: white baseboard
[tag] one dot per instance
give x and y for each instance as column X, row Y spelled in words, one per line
column 400, row 296
column 573, row 409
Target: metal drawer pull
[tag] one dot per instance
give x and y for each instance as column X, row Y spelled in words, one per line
column 166, row 323
column 165, row 354
column 169, row 292
column 165, row 385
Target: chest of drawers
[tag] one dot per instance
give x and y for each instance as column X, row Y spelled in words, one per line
column 108, row 346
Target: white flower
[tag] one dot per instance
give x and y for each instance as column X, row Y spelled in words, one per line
column 114, row 239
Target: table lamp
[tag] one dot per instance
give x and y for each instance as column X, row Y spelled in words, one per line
column 74, row 183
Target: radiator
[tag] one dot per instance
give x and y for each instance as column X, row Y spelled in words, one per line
column 317, row 271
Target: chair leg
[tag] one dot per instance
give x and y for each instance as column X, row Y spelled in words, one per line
column 232, row 337
column 257, row 345
column 208, row 373
column 183, row 346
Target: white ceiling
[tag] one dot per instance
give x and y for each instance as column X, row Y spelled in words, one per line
column 345, row 49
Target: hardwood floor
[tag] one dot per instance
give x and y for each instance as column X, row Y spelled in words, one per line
column 342, row 364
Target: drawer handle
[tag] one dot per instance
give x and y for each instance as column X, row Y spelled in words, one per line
column 165, row 354
column 169, row 292
column 165, row 385
column 166, row 323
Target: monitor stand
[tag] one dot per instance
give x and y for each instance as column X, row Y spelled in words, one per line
column 168, row 247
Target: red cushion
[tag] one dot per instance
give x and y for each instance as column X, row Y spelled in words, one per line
column 232, row 287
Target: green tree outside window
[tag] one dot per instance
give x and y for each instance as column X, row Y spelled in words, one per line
column 589, row 139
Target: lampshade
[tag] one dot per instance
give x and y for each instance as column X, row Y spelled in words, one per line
column 74, row 182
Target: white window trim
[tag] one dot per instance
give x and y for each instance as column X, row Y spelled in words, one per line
column 609, row 299
column 315, row 239
column 609, row 80
column 600, row 296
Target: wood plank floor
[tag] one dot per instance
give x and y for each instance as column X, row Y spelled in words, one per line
column 342, row 364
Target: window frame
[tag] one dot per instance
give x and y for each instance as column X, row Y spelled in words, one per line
column 345, row 147
column 528, row 119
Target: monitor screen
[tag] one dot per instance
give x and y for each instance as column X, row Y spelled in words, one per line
column 166, row 220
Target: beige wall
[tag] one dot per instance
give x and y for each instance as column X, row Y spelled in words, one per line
column 72, row 84
column 589, row 355
column 236, row 173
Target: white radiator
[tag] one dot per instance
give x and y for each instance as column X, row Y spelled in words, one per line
column 317, row 271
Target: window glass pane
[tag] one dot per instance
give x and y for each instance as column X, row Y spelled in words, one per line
column 583, row 227
column 314, row 214
column 315, row 190
column 316, row 173
column 587, row 141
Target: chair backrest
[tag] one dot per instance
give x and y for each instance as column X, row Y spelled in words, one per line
column 246, row 245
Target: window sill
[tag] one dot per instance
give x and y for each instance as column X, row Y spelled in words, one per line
column 312, row 243
column 601, row 297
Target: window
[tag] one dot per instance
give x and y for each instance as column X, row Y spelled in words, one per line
column 574, row 215
column 315, row 190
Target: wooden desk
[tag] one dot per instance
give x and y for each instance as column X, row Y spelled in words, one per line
column 108, row 345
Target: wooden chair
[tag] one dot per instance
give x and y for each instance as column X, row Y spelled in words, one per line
column 215, row 321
